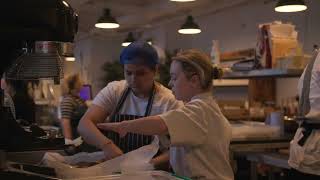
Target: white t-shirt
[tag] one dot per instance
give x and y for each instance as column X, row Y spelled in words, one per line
column 307, row 158
column 109, row 96
column 200, row 137
column 163, row 101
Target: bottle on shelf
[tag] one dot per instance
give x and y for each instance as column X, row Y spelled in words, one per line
column 215, row 53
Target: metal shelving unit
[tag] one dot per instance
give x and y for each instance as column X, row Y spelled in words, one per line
column 231, row 82
column 263, row 73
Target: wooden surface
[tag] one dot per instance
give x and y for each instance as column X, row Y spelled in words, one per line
column 237, row 55
column 262, row 90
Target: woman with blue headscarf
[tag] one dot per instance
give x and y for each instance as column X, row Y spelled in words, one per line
column 135, row 97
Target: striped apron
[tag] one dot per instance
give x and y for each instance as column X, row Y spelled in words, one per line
column 131, row 141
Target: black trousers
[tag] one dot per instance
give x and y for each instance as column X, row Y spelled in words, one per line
column 294, row 174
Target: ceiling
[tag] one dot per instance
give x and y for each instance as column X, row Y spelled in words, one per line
column 141, row 14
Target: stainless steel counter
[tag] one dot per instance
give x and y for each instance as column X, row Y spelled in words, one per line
column 260, row 144
column 29, row 157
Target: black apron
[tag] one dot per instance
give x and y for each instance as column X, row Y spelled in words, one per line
column 131, row 141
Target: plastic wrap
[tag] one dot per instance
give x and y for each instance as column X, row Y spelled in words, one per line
column 130, row 164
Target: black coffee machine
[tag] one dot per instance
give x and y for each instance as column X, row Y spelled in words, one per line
column 23, row 23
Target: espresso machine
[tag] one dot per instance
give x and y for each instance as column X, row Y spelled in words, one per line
column 32, row 33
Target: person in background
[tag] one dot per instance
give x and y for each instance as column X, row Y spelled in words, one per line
column 139, row 95
column 72, row 107
column 21, row 104
column 199, row 133
column 304, row 156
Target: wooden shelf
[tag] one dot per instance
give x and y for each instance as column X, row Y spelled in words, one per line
column 230, row 82
column 263, row 73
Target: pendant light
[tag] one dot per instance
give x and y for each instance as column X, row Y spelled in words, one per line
column 128, row 40
column 290, row 6
column 189, row 27
column 182, row 0
column 106, row 21
column 70, row 59
column 66, row 4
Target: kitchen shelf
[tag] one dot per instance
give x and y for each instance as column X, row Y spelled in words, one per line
column 263, row 73
column 41, row 102
column 231, row 82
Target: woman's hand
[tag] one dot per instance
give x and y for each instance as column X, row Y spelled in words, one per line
column 119, row 127
column 111, row 150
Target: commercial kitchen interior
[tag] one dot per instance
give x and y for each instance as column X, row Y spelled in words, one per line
column 231, row 30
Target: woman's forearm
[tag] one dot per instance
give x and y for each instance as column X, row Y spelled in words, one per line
column 152, row 125
column 161, row 159
column 87, row 127
column 91, row 134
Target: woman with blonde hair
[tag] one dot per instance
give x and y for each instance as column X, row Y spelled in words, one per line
column 72, row 107
column 199, row 133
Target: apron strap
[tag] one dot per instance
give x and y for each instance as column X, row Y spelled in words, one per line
column 150, row 101
column 121, row 101
column 304, row 101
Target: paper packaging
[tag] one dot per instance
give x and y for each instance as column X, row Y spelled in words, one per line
column 130, row 164
column 281, row 48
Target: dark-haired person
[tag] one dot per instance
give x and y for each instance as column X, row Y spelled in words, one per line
column 199, row 133
column 21, row 104
column 72, row 108
column 139, row 95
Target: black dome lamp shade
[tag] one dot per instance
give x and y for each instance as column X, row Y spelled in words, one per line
column 106, row 21
column 189, row 27
column 182, row 0
column 290, row 6
column 129, row 39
